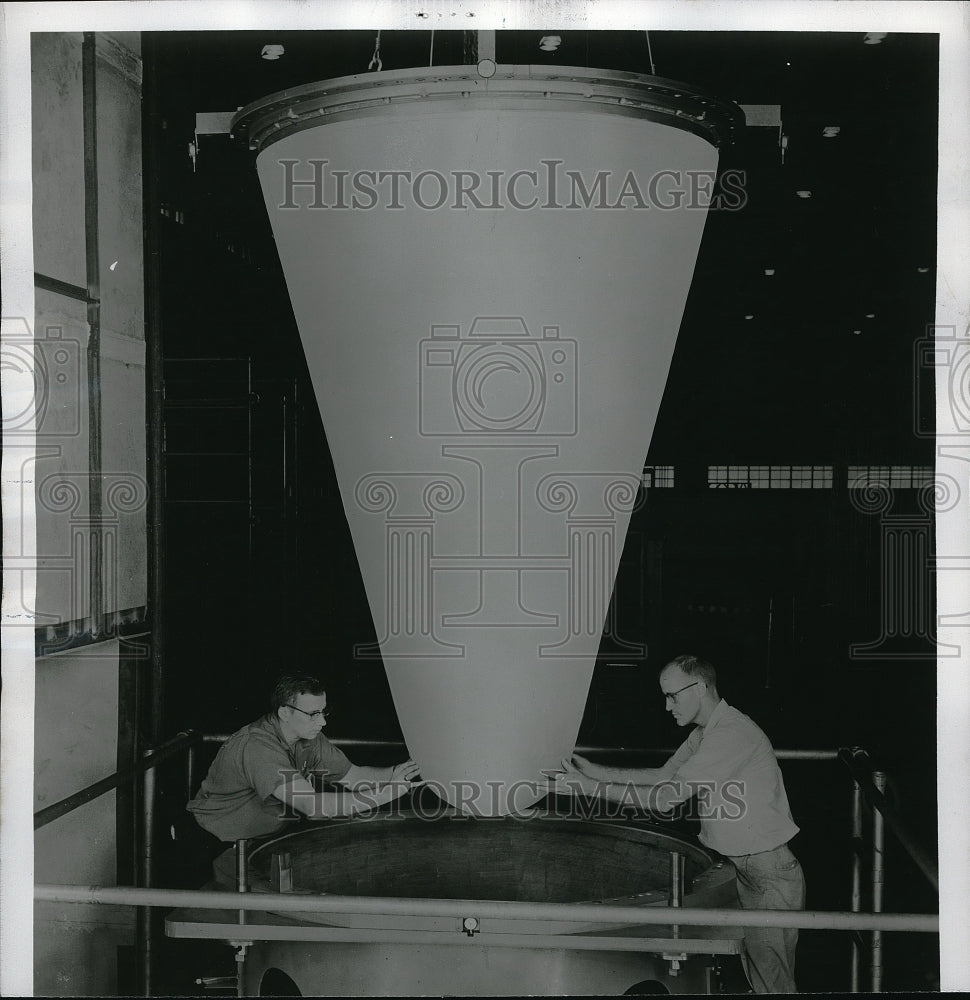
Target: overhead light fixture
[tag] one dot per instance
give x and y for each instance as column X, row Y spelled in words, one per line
column 830, row 131
column 874, row 37
column 804, row 193
column 857, row 332
column 922, row 270
column 272, row 52
column 870, row 315
column 769, row 271
column 549, row 43
column 749, row 316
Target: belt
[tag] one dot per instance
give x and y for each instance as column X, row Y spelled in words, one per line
column 756, row 854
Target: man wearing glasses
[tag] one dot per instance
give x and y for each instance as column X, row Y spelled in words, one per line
column 728, row 763
column 279, row 764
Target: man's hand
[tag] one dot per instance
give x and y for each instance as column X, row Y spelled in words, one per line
column 570, row 781
column 407, row 771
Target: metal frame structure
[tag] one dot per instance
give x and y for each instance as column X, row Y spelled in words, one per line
column 868, row 786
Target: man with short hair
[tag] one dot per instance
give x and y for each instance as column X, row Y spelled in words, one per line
column 729, row 764
column 280, row 763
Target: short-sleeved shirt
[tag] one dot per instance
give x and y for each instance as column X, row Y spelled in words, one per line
column 236, row 798
column 746, row 811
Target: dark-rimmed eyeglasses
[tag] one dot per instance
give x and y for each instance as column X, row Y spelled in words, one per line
column 320, row 713
column 672, row 695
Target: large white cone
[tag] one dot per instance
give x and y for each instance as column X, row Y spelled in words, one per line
column 488, row 378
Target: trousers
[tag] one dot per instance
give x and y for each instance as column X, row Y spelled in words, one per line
column 224, row 870
column 770, row 880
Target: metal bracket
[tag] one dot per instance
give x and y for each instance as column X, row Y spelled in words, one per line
column 766, row 116
column 213, row 122
column 209, row 123
column 675, row 960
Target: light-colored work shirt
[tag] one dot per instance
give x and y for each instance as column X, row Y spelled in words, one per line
column 236, row 799
column 730, row 766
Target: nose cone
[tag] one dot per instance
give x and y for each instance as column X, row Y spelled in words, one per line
column 489, row 378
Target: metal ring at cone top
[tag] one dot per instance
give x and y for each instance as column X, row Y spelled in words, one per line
column 546, row 88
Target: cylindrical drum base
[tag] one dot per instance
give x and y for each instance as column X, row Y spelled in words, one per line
column 294, row 968
column 548, row 859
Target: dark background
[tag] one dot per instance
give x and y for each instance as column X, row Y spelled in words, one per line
column 773, row 585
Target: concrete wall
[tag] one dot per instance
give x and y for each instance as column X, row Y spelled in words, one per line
column 75, row 744
column 90, row 355
column 66, row 441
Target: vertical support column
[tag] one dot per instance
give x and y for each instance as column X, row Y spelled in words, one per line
column 242, row 873
column 676, row 878
column 145, row 920
column 486, row 45
column 190, row 772
column 128, row 795
column 878, row 869
column 856, row 900
column 242, row 885
column 89, row 74
column 676, row 900
column 151, row 698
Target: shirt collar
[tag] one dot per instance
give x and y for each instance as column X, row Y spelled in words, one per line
column 273, row 722
column 716, row 716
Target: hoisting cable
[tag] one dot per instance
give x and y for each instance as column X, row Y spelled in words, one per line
column 375, row 63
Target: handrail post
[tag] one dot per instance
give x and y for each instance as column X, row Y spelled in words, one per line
column 676, row 880
column 856, row 899
column 878, row 871
column 242, row 867
column 242, row 885
column 676, row 900
column 858, row 762
column 189, row 771
column 145, row 914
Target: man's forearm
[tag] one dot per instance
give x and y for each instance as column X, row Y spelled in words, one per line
column 332, row 805
column 627, row 775
column 362, row 776
column 657, row 796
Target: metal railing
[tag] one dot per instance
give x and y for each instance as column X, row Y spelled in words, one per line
column 183, row 741
column 598, row 913
column 867, row 786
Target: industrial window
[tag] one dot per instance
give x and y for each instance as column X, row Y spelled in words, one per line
column 896, row 477
column 657, row 475
column 775, row 477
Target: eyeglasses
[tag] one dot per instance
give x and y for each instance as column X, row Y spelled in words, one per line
column 672, row 695
column 320, row 713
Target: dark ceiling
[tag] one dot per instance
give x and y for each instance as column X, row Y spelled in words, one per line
column 822, row 371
